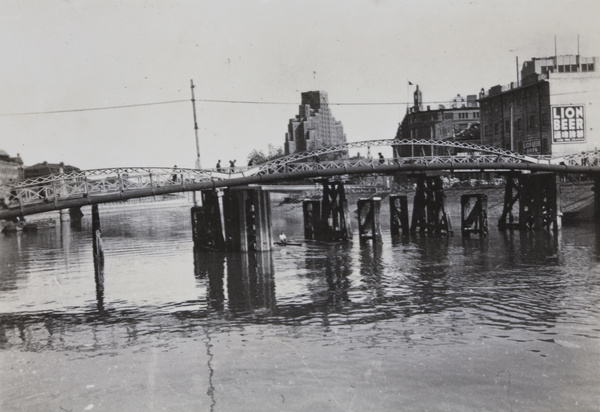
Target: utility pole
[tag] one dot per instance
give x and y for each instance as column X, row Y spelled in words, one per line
column 195, row 126
column 196, row 133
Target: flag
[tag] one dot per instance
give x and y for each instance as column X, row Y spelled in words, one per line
column 410, row 83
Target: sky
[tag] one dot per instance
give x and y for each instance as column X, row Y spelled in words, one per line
column 106, row 83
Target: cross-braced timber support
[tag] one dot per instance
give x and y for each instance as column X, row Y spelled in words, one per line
column 538, row 206
column 311, row 210
column 248, row 219
column 369, row 226
column 474, row 214
column 511, row 196
column 429, row 211
column 399, row 215
column 207, row 226
column 335, row 218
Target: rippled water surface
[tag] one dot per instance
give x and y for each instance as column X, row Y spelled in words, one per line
column 511, row 322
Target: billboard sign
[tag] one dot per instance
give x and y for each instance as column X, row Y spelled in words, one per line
column 531, row 147
column 568, row 124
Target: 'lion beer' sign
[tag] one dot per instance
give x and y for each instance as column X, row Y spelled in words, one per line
column 567, row 124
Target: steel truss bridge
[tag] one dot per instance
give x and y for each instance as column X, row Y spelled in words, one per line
column 88, row 187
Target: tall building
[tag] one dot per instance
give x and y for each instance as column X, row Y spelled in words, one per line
column 457, row 120
column 552, row 110
column 314, row 127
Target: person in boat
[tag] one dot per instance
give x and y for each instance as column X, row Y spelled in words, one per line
column 282, row 238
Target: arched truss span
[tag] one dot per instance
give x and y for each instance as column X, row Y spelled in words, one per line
column 278, row 164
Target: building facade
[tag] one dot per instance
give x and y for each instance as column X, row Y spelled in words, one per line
column 11, row 168
column 553, row 109
column 457, row 120
column 314, row 127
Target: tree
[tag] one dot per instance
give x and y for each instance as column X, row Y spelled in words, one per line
column 258, row 156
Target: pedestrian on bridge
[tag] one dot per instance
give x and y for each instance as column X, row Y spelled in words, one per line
column 232, row 166
column 381, row 159
column 219, row 166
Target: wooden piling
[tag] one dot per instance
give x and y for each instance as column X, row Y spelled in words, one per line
column 399, row 215
column 311, row 210
column 369, row 226
column 474, row 214
column 96, row 234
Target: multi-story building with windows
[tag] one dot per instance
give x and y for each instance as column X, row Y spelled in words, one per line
column 552, row 110
column 458, row 120
column 314, row 127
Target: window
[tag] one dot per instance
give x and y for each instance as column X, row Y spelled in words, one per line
column 519, row 125
column 507, row 126
column 496, row 128
column 532, row 124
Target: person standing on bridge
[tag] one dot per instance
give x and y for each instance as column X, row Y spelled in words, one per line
column 219, row 166
column 232, row 166
column 381, row 159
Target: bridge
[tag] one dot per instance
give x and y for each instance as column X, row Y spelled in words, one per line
column 89, row 187
column 238, row 217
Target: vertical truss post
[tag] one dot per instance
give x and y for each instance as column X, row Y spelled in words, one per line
column 311, row 210
column 369, row 226
column 474, row 214
column 335, row 217
column 398, row 215
column 207, row 225
column 96, row 234
column 511, row 196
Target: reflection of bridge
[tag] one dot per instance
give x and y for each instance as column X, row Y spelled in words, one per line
column 89, row 187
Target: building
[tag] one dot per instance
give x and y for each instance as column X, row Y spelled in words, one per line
column 45, row 168
column 11, row 168
column 551, row 110
column 314, row 127
column 457, row 120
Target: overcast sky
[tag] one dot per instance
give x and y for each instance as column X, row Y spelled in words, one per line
column 69, row 55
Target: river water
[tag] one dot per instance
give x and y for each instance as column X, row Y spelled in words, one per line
column 507, row 323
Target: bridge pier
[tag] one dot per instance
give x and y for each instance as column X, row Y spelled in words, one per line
column 311, row 210
column 207, row 227
column 96, row 234
column 335, row 217
column 248, row 219
column 538, row 199
column 399, row 215
column 429, row 211
column 474, row 214
column 369, row 226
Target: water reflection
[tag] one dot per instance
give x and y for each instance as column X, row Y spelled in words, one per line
column 510, row 281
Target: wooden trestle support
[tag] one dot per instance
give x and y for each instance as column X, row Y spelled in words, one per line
column 328, row 219
column 429, row 212
column 538, row 202
column 399, row 215
column 369, row 225
column 473, row 209
column 238, row 219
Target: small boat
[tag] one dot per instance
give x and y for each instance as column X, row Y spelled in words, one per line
column 288, row 243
